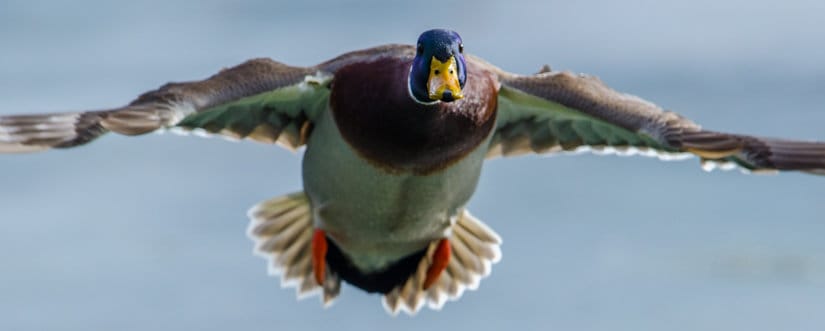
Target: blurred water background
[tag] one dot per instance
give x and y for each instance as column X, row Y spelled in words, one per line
column 148, row 233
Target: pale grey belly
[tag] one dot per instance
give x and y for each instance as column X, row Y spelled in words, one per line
column 374, row 216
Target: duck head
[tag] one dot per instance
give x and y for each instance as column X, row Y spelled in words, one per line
column 438, row 71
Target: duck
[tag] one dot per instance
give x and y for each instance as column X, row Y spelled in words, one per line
column 394, row 139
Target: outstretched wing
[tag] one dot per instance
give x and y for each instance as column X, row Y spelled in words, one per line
column 260, row 99
column 560, row 111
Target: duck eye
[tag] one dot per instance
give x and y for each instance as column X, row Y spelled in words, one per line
column 461, row 48
column 420, row 49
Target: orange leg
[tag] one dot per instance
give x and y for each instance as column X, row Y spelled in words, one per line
column 319, row 254
column 441, row 257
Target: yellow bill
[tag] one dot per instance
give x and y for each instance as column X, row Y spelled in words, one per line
column 444, row 77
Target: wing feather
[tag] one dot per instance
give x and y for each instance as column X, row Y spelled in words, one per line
column 559, row 111
column 260, row 99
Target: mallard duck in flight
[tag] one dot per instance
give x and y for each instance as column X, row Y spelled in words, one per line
column 395, row 139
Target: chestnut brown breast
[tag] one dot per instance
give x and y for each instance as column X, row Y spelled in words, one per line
column 379, row 119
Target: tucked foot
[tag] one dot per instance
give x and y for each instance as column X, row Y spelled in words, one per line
column 319, row 253
column 441, row 258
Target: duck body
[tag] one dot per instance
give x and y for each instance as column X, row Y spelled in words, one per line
column 375, row 186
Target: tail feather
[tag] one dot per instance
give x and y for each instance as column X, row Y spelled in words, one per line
column 437, row 296
column 475, row 250
column 282, row 231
